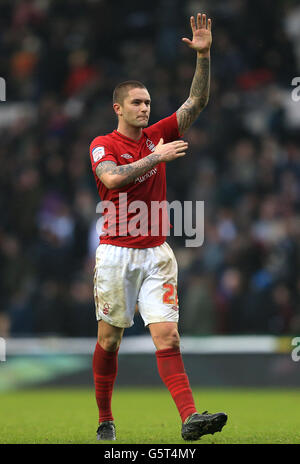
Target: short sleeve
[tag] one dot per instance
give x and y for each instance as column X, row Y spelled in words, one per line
column 166, row 128
column 101, row 150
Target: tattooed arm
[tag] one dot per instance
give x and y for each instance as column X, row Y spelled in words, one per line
column 199, row 92
column 114, row 177
column 198, row 97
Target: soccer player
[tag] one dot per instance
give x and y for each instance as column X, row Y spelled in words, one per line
column 141, row 269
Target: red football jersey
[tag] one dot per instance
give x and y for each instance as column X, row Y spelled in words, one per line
column 148, row 188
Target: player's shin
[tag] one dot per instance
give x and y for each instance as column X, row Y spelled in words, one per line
column 171, row 370
column 105, row 366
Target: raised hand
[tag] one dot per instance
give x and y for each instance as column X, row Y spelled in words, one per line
column 202, row 37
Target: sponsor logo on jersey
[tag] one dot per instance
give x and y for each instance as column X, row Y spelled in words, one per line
column 126, row 156
column 146, row 175
column 98, row 153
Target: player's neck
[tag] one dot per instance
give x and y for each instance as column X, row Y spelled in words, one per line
column 132, row 132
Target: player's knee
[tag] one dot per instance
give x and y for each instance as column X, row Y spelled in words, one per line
column 173, row 339
column 167, row 339
column 110, row 342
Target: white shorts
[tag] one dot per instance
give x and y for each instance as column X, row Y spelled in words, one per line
column 125, row 277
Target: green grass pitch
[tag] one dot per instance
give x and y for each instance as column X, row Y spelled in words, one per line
column 69, row 416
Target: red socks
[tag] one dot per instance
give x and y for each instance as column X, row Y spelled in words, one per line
column 105, row 366
column 171, row 370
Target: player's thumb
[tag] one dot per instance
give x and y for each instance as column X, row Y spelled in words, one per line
column 160, row 143
column 187, row 41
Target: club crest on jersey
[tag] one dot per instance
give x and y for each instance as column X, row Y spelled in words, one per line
column 98, row 153
column 106, row 308
column 150, row 145
column 126, row 156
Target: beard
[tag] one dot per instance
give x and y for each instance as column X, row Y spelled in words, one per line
column 142, row 122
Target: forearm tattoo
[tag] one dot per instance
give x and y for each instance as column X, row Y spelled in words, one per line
column 129, row 172
column 198, row 97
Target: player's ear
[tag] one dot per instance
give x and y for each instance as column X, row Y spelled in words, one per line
column 118, row 109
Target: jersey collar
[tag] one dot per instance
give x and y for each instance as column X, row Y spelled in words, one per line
column 128, row 139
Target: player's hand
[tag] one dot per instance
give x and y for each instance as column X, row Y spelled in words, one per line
column 172, row 150
column 202, row 37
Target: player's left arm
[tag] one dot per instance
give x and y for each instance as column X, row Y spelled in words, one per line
column 200, row 87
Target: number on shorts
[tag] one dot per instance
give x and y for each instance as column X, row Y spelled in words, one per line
column 170, row 294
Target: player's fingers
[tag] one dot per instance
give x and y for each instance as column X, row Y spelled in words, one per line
column 193, row 25
column 176, row 143
column 204, row 21
column 179, row 141
column 181, row 148
column 209, row 24
column 199, row 20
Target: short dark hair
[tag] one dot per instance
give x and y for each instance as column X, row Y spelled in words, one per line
column 121, row 90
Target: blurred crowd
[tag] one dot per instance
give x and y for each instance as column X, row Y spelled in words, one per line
column 61, row 61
